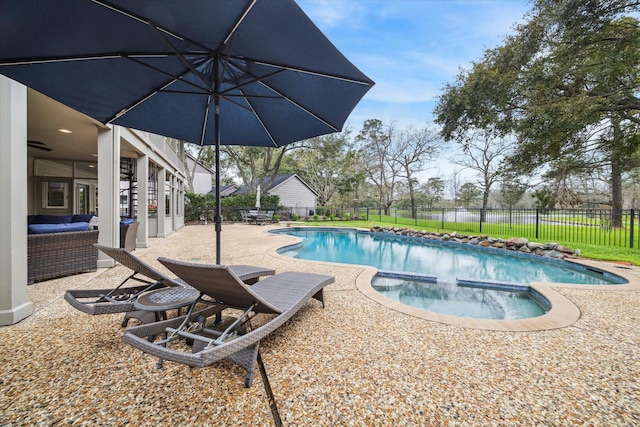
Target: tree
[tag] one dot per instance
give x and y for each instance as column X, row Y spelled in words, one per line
column 255, row 165
column 325, row 164
column 412, row 150
column 545, row 199
column 376, row 156
column 469, row 193
column 433, row 191
column 565, row 85
column 454, row 184
column 512, row 189
column 485, row 157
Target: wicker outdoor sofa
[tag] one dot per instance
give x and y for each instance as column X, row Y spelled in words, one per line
column 62, row 245
column 52, row 255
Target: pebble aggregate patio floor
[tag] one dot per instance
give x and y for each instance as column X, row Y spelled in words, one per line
column 355, row 362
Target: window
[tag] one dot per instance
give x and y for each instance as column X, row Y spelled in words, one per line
column 152, row 190
column 55, row 194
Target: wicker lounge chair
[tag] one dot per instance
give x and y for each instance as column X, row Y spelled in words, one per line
column 282, row 294
column 121, row 299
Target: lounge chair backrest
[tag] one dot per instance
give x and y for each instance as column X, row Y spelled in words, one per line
column 129, row 260
column 218, row 282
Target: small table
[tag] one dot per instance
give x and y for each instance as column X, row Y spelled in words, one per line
column 161, row 300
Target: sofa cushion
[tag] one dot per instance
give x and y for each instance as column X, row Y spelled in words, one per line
column 51, row 219
column 58, row 228
column 82, row 218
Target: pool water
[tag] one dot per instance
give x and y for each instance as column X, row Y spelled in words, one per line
column 441, row 267
column 447, row 262
column 456, row 300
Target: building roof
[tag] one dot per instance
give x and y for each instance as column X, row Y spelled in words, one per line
column 268, row 185
column 192, row 159
column 226, row 190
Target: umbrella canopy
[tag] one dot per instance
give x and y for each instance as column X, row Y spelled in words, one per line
column 243, row 72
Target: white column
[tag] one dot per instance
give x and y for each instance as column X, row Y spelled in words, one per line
column 108, row 192
column 14, row 304
column 142, row 170
column 162, row 205
column 174, row 202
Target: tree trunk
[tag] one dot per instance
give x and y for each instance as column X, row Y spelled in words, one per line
column 616, row 177
column 412, row 197
column 485, row 202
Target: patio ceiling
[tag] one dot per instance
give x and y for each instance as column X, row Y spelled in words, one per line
column 45, row 118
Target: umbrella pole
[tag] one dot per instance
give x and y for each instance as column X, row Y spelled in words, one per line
column 218, row 217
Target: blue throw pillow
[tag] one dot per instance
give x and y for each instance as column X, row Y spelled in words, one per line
column 58, row 228
column 82, row 218
column 126, row 221
column 51, row 219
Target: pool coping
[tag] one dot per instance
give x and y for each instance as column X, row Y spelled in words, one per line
column 563, row 312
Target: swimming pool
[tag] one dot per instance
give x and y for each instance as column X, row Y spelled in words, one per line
column 446, row 261
column 445, row 277
column 459, row 299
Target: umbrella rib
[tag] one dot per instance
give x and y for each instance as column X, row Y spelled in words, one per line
column 36, row 61
column 238, row 22
column 306, row 110
column 142, row 20
column 205, row 90
column 275, row 144
column 135, row 104
column 180, row 56
column 249, row 82
column 161, row 89
column 204, row 123
column 283, row 67
column 284, row 97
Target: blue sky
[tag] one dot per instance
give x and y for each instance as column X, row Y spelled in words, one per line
column 411, row 48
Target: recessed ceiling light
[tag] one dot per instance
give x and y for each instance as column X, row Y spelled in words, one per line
column 94, row 154
column 64, row 131
column 92, row 166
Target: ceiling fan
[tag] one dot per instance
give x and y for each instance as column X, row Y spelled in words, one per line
column 39, row 145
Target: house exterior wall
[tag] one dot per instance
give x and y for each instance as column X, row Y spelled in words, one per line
column 201, row 183
column 296, row 195
column 202, row 178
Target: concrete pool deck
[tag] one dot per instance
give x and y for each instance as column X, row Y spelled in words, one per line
column 355, row 362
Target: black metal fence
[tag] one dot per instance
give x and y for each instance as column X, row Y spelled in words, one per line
column 604, row 227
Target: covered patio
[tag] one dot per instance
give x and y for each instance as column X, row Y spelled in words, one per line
column 355, row 362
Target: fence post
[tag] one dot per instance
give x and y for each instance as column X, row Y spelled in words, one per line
column 443, row 218
column 632, row 220
column 537, row 222
column 481, row 215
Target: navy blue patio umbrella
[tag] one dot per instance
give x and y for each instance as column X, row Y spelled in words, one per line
column 242, row 72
